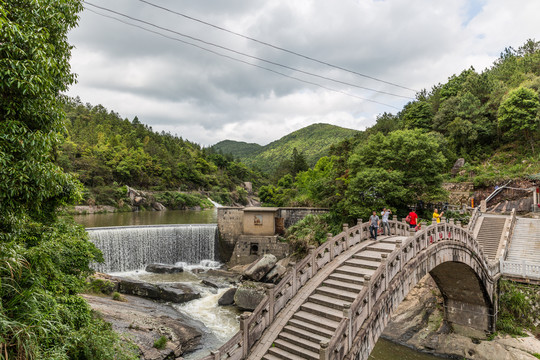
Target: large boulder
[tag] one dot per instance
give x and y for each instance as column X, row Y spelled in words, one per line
column 177, row 293
column 249, row 295
column 275, row 274
column 227, row 298
column 260, row 267
column 457, row 166
column 164, row 269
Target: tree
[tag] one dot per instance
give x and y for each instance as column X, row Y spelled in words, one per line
column 43, row 260
column 519, row 114
column 394, row 170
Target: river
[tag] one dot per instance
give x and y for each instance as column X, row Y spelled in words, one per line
column 222, row 322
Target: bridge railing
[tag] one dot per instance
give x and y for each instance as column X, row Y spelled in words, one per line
column 474, row 218
column 366, row 304
column 253, row 325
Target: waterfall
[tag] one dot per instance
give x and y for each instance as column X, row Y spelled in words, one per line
column 127, row 248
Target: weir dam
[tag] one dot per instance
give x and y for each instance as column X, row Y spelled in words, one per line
column 128, row 248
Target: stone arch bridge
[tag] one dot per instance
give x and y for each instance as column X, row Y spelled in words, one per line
column 335, row 303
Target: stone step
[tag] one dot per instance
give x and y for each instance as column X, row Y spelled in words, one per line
column 338, row 283
column 305, row 334
column 321, row 321
column 381, row 247
column 269, row 356
column 320, row 310
column 328, row 301
column 354, row 271
column 279, row 353
column 314, row 329
column 368, row 255
column 367, row 264
column 300, row 341
column 336, row 293
column 355, row 280
column 294, row 349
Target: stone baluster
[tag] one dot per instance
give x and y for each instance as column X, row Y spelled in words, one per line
column 311, row 252
column 346, row 236
column 359, row 223
column 331, row 245
column 323, row 350
column 347, row 314
column 394, row 224
column 270, row 288
column 245, row 333
column 294, row 277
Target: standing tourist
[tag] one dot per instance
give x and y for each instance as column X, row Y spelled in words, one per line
column 412, row 219
column 373, row 225
column 385, row 225
column 437, row 216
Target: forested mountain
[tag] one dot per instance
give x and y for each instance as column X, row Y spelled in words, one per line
column 105, row 150
column 312, row 142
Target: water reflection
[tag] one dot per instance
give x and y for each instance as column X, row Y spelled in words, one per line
column 148, row 218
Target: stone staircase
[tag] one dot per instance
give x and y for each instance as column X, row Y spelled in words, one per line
column 525, row 243
column 319, row 316
column 489, row 235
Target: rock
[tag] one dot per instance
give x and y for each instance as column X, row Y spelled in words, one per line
column 249, row 295
column 260, row 267
column 229, row 276
column 248, row 186
column 275, row 274
column 176, row 293
column 164, row 269
column 457, row 165
column 158, row 206
column 227, row 298
column 145, row 321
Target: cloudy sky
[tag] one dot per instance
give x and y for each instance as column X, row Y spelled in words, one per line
column 389, row 47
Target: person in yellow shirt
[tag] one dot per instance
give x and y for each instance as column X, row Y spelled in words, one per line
column 437, row 216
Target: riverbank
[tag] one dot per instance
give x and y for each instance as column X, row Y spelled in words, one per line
column 418, row 323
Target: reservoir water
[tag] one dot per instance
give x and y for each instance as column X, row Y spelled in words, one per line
column 147, row 218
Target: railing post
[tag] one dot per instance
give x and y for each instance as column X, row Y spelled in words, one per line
column 323, row 350
column 395, row 222
column 329, row 240
column 270, row 292
column 384, row 260
column 216, row 354
column 367, row 284
column 294, row 277
column 348, row 315
column 245, row 333
column 359, row 223
column 346, row 231
column 311, row 251
column 400, row 255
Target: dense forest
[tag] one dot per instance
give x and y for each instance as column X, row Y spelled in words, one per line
column 489, row 118
column 107, row 152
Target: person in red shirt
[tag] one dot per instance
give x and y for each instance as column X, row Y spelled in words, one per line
column 413, row 217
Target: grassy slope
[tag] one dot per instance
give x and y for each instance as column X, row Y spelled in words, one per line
column 313, row 141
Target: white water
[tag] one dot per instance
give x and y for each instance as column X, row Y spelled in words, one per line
column 215, row 203
column 128, row 248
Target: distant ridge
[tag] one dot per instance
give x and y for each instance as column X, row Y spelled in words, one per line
column 313, row 141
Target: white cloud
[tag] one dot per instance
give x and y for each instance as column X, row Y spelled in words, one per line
column 206, row 98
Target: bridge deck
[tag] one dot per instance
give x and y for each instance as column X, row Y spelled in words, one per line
column 314, row 313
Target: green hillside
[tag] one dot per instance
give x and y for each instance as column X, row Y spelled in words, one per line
column 238, row 149
column 313, row 142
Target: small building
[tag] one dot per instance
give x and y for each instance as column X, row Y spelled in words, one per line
column 250, row 232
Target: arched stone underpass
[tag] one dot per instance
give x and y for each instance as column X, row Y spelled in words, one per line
column 335, row 303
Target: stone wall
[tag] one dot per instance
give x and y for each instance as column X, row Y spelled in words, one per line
column 292, row 215
column 230, row 226
column 249, row 248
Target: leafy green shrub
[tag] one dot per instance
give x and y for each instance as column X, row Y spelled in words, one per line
column 516, row 311
column 181, row 201
column 160, row 343
column 311, row 230
column 116, row 296
column 99, row 286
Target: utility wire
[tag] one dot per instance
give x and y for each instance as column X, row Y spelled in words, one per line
column 240, row 60
column 275, row 46
column 244, row 54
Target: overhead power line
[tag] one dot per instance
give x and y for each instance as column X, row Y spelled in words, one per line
column 275, row 46
column 244, row 54
column 241, row 61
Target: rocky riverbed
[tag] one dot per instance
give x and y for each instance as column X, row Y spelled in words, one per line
column 418, row 323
